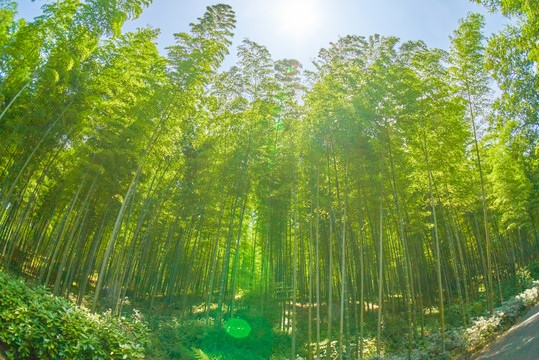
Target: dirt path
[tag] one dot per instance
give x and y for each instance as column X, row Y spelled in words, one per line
column 521, row 342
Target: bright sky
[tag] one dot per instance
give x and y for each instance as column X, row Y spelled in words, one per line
column 300, row 28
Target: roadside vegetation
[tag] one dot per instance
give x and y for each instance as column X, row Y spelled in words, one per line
column 379, row 204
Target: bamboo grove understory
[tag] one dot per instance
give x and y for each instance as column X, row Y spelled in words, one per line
column 389, row 180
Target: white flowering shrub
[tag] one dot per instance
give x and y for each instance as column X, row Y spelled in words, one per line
column 334, row 350
column 386, row 357
column 482, row 328
column 369, row 349
column 460, row 340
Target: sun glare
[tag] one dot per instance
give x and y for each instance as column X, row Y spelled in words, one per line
column 297, row 18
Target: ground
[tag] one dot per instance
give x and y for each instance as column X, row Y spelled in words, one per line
column 520, row 342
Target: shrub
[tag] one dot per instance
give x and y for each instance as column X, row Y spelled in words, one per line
column 33, row 323
column 533, row 268
column 506, row 314
column 460, row 340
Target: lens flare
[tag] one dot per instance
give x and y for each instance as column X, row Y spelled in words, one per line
column 237, row 328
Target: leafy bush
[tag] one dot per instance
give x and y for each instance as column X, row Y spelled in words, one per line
column 506, row 314
column 524, row 277
column 460, row 340
column 33, row 323
column 533, row 268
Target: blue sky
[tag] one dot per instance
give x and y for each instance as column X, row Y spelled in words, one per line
column 300, row 28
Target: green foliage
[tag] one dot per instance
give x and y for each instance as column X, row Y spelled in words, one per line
column 513, row 154
column 169, row 181
column 179, row 338
column 533, row 268
column 527, row 14
column 200, row 355
column 460, row 340
column 511, row 188
column 524, row 277
column 33, row 323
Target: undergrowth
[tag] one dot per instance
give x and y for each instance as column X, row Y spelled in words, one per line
column 37, row 325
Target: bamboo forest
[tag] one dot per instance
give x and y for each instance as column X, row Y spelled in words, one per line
column 382, row 203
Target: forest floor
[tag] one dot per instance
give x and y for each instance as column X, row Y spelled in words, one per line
column 175, row 334
column 520, row 342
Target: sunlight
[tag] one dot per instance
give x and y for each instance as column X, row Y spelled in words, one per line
column 297, row 18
